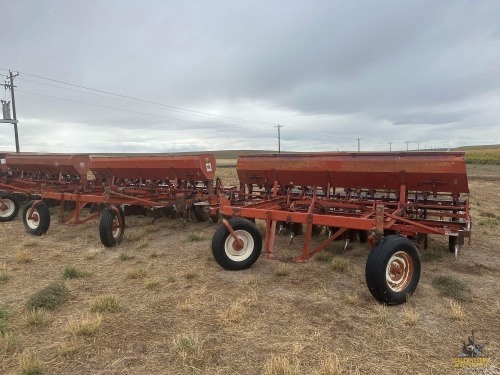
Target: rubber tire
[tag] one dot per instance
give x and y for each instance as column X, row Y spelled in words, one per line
column 106, row 227
column 15, row 202
column 43, row 218
column 200, row 213
column 376, row 266
column 219, row 244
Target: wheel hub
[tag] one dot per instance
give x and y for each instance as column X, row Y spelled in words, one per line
column 238, row 245
column 399, row 271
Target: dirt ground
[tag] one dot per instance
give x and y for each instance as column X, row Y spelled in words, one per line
column 180, row 313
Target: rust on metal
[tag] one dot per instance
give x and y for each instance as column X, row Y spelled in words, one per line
column 182, row 167
column 46, row 165
column 422, row 171
column 409, row 193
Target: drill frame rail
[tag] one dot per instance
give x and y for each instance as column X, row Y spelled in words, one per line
column 413, row 194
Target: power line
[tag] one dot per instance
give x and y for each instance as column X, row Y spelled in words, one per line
column 123, row 110
column 148, row 101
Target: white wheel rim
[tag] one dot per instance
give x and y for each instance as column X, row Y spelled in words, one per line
column 116, row 229
column 399, row 271
column 35, row 221
column 246, row 249
column 9, row 209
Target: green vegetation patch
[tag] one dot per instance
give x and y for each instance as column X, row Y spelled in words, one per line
column 448, row 286
column 4, row 277
column 71, row 272
column 431, row 254
column 4, row 322
column 194, row 237
column 49, row 297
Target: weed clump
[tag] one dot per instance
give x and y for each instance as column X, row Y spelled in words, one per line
column 71, row 272
column 30, row 364
column 87, row 326
column 107, row 303
column 340, row 265
column 49, row 297
column 194, row 237
column 282, row 365
column 37, row 317
column 451, row 287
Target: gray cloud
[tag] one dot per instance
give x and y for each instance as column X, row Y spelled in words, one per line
column 330, row 71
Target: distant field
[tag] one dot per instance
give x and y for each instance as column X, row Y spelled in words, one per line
column 488, row 156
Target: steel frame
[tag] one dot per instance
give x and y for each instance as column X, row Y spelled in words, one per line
column 399, row 209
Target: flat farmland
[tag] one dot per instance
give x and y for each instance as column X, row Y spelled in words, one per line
column 159, row 304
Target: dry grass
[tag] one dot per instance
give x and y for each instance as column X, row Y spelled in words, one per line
column 152, row 283
column 125, row 256
column 30, row 364
column 37, row 317
column 235, row 312
column 8, row 342
column 138, row 273
column 340, row 265
column 223, row 322
column 282, row 269
column 23, row 256
column 85, row 326
column 93, row 252
column 282, row 365
column 457, row 311
column 194, row 237
column 136, row 235
column 331, row 365
column 4, row 273
column 352, row 298
column 106, row 303
column 410, row 316
column 382, row 314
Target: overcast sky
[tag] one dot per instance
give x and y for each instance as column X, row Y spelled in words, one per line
column 218, row 75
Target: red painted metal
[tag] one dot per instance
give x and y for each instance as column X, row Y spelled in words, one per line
column 410, row 193
column 3, row 163
column 181, row 167
column 49, row 166
column 383, row 170
column 29, row 173
column 149, row 182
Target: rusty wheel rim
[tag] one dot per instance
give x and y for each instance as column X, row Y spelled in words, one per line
column 399, row 271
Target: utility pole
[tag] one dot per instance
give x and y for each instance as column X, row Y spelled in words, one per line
column 359, row 139
column 407, row 145
column 14, row 115
column 279, row 137
column 14, row 109
column 390, row 146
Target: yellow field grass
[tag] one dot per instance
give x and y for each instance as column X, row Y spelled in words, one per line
column 166, row 307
